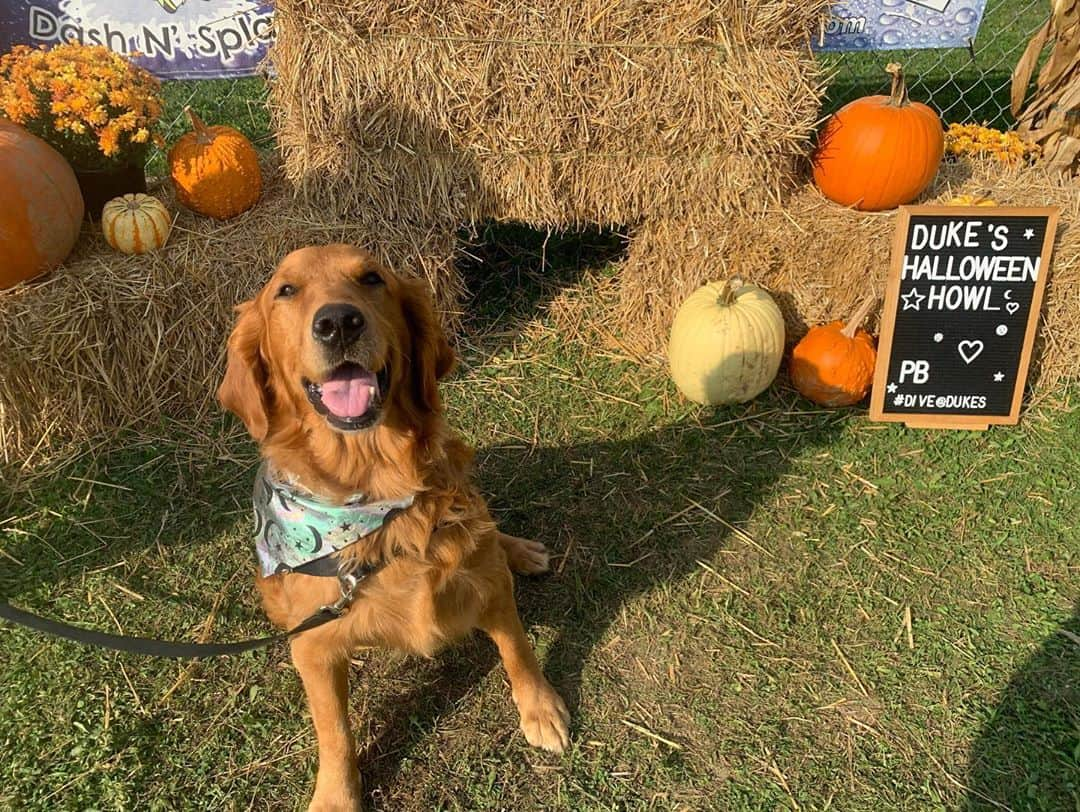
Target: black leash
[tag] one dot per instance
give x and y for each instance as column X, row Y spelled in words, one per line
column 176, row 649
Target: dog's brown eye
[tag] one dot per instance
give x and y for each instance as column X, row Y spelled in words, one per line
column 370, row 278
column 286, row 291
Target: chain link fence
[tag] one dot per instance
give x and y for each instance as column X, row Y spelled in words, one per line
column 963, row 84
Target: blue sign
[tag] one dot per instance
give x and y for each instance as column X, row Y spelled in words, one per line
column 173, row 39
column 889, row 25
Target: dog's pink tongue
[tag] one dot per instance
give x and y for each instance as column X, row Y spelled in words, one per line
column 347, row 393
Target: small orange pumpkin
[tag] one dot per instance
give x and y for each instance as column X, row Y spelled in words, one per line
column 135, row 223
column 215, row 170
column 833, row 365
column 42, row 207
column 879, row 152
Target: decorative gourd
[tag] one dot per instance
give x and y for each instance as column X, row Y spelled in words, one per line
column 42, row 206
column 833, row 365
column 215, row 170
column 970, row 200
column 879, row 152
column 136, row 223
column 726, row 343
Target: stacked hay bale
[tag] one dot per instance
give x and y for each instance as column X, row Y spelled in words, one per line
column 418, row 117
column 687, row 123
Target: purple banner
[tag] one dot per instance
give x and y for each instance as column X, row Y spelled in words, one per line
column 173, row 39
column 889, row 25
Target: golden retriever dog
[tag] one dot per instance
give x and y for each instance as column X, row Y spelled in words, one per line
column 333, row 368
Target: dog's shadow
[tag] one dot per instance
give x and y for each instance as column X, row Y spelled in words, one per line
column 613, row 513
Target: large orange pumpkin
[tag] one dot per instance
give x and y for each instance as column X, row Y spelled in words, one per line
column 215, row 170
column 833, row 365
column 879, row 152
column 42, row 206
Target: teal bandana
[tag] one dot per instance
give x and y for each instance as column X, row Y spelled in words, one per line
column 293, row 528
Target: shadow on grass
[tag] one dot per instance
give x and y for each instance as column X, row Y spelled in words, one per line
column 623, row 518
column 114, row 510
column 512, row 272
column 1028, row 754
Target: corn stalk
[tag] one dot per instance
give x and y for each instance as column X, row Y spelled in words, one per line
column 1051, row 118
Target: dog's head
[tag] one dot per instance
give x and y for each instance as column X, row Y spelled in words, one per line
column 335, row 337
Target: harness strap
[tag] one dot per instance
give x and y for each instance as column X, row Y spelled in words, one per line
column 178, row 650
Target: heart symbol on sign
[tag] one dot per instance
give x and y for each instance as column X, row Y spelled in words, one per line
column 1012, row 307
column 970, row 350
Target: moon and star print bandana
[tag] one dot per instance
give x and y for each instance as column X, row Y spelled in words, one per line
column 294, row 528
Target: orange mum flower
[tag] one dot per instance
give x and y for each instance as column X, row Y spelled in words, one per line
column 90, row 103
column 975, row 139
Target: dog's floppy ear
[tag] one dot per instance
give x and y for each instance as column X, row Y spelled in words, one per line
column 243, row 391
column 431, row 357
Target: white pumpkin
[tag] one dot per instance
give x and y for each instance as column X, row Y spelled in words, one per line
column 726, row 343
column 136, row 223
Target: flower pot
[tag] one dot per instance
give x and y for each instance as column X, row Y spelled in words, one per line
column 99, row 186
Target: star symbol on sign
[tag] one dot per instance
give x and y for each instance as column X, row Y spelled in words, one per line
column 1029, row 233
column 999, row 377
column 891, row 388
column 912, row 299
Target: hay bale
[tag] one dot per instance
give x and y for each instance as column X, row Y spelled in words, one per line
column 424, row 117
column 437, row 114
column 112, row 341
column 418, row 118
column 819, row 260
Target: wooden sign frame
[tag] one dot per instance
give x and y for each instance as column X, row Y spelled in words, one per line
column 933, row 420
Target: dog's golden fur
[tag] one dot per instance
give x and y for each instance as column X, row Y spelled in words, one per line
column 447, row 567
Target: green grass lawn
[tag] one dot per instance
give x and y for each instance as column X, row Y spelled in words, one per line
column 764, row 607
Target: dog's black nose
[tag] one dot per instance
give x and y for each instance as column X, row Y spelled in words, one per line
column 337, row 324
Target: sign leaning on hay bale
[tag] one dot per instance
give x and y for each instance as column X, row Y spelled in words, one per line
column 961, row 309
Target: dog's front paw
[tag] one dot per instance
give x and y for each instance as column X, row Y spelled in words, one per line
column 341, row 803
column 545, row 721
column 337, row 794
column 525, row 556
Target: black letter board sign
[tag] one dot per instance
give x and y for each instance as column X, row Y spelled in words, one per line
column 961, row 308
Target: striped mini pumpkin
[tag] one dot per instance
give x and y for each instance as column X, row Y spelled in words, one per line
column 136, row 223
